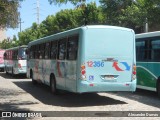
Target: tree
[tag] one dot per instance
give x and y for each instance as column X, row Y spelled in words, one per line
column 131, row 13
column 113, row 9
column 5, row 44
column 75, row 2
column 9, row 14
column 29, row 34
column 62, row 21
column 94, row 14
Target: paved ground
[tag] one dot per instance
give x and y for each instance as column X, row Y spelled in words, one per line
column 18, row 94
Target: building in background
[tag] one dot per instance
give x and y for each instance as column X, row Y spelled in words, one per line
column 2, row 35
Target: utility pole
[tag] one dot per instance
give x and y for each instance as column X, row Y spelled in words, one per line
column 20, row 22
column 146, row 25
column 38, row 12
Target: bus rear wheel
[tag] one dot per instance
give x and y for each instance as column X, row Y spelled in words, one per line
column 6, row 70
column 12, row 72
column 34, row 82
column 53, row 84
column 158, row 88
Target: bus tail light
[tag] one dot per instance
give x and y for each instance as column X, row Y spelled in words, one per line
column 134, row 72
column 19, row 65
column 83, row 72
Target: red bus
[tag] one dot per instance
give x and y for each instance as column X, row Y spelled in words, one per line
column 2, row 60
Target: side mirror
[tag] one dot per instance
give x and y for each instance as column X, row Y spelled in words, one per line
column 5, row 55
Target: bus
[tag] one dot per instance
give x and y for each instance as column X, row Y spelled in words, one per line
column 148, row 61
column 2, row 60
column 16, row 60
column 95, row 58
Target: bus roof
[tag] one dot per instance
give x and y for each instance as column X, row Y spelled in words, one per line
column 16, row 47
column 148, row 34
column 76, row 30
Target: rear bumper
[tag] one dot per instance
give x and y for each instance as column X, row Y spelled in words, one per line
column 22, row 70
column 86, row 86
column 2, row 67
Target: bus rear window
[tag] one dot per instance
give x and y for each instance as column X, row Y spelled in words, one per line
column 22, row 53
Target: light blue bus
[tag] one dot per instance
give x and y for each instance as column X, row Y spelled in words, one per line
column 15, row 60
column 94, row 58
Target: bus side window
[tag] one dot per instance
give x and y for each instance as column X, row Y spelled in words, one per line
column 30, row 50
column 13, row 54
column 16, row 54
column 53, row 51
column 141, row 50
column 36, row 51
column 34, row 48
column 7, row 55
column 72, row 48
column 155, row 53
column 30, row 53
column 47, row 50
column 62, row 49
column 41, row 51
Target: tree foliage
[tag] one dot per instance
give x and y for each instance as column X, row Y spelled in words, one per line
column 63, row 20
column 131, row 13
column 9, row 13
column 75, row 2
column 127, row 13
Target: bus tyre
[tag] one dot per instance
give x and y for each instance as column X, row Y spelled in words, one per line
column 34, row 82
column 6, row 70
column 53, row 84
column 12, row 72
column 158, row 88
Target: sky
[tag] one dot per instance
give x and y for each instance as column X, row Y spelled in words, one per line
column 28, row 13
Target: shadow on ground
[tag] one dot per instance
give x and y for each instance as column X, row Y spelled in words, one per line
column 65, row 99
column 142, row 96
column 9, row 76
column 9, row 104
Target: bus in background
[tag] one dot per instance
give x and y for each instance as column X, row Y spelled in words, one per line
column 16, row 60
column 148, row 61
column 86, row 59
column 2, row 60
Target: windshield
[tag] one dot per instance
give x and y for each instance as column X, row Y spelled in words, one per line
column 22, row 53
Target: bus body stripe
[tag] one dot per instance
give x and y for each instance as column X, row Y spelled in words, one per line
column 148, row 71
column 146, row 88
